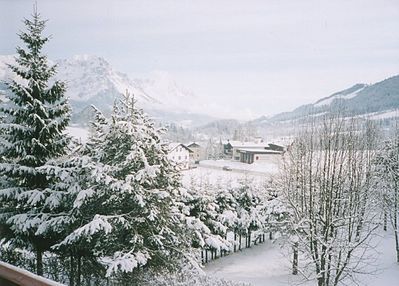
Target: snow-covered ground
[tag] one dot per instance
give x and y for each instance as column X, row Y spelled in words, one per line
column 78, row 133
column 381, row 115
column 268, row 265
column 258, row 167
column 218, row 176
column 329, row 100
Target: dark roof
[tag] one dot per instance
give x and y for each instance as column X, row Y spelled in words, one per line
column 173, row 146
column 193, row 145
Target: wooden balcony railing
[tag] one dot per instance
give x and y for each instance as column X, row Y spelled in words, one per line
column 14, row 276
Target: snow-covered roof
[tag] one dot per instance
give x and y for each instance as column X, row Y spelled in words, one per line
column 249, row 144
column 174, row 145
column 190, row 144
column 258, row 151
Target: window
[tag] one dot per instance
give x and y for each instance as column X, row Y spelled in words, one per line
column 257, row 157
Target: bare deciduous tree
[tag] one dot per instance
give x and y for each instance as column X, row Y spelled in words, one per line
column 387, row 165
column 326, row 178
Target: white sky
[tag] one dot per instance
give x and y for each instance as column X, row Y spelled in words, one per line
column 253, row 57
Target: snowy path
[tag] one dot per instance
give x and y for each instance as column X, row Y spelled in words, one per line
column 266, row 265
column 262, row 264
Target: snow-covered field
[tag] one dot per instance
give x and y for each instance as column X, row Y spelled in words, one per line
column 382, row 115
column 258, row 167
column 268, row 265
column 218, row 176
column 78, row 133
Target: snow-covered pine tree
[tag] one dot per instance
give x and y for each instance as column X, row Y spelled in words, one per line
column 209, row 232
column 248, row 208
column 35, row 116
column 126, row 210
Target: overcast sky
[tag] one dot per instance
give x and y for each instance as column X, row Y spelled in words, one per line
column 253, row 57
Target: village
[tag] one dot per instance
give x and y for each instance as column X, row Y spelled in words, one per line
column 228, row 155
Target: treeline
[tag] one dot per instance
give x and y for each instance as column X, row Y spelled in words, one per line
column 239, row 214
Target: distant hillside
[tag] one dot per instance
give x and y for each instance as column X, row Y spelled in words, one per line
column 223, row 128
column 358, row 100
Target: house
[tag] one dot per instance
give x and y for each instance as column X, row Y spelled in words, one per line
column 254, row 151
column 252, row 155
column 180, row 154
column 198, row 152
column 276, row 147
column 230, row 147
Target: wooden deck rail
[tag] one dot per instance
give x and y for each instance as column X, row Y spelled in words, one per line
column 14, row 276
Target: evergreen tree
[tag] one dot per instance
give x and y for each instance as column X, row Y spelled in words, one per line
column 34, row 119
column 126, row 210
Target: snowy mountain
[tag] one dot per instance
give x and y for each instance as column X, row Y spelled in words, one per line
column 92, row 80
column 358, row 100
column 344, row 94
column 379, row 101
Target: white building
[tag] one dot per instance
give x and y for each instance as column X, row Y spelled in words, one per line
column 198, row 153
column 251, row 152
column 252, row 155
column 180, row 154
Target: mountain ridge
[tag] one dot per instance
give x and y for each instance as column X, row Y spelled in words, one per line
column 91, row 80
column 359, row 99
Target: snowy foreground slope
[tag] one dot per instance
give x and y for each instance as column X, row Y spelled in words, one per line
column 268, row 265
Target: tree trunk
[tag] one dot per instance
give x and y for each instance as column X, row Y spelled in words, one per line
column 295, row 259
column 395, row 221
column 396, row 234
column 72, row 271
column 79, row 271
column 270, row 235
column 235, row 239
column 249, row 239
column 39, row 262
column 385, row 220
